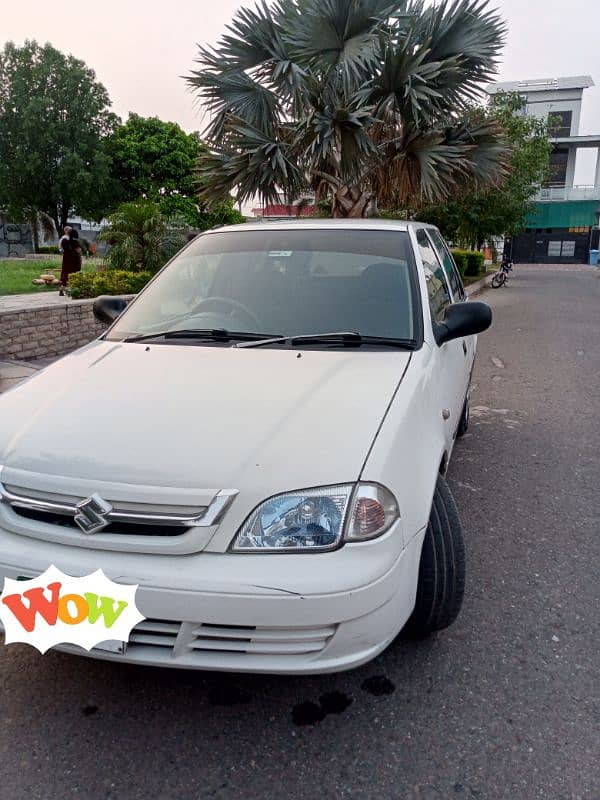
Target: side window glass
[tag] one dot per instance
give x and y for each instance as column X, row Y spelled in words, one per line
column 450, row 268
column 437, row 288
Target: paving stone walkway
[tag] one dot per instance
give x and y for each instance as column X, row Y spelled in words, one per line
column 19, row 302
column 13, row 372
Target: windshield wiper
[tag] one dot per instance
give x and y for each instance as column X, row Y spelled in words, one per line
column 343, row 338
column 206, row 334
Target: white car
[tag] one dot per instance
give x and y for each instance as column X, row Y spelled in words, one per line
column 259, row 441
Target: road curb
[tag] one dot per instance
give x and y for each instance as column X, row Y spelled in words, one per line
column 480, row 286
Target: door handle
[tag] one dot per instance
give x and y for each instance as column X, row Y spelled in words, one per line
column 464, row 347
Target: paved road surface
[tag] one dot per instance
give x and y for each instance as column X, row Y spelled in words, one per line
column 506, row 704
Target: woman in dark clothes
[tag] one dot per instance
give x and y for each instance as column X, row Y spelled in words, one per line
column 71, row 261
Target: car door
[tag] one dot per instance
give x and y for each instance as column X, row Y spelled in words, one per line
column 452, row 366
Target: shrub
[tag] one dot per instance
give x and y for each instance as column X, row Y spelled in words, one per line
column 461, row 261
column 140, row 238
column 111, row 281
column 87, row 248
column 81, row 284
column 475, row 263
column 469, row 262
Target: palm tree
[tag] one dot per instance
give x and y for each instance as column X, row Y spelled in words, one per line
column 361, row 101
column 140, row 238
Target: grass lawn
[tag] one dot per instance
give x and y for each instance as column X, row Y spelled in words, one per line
column 16, row 274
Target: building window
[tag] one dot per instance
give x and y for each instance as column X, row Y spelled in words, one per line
column 558, row 167
column 561, row 249
column 554, row 249
column 559, row 123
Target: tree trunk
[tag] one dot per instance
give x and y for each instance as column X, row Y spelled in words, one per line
column 57, row 225
column 373, row 208
column 33, row 221
column 64, row 215
column 351, row 202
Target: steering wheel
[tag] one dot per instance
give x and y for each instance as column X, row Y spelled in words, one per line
column 217, row 303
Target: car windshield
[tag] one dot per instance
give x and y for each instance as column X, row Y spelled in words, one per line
column 285, row 282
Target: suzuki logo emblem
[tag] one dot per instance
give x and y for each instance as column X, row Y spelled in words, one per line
column 92, row 514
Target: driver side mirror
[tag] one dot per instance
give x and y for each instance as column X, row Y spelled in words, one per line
column 463, row 319
column 107, row 308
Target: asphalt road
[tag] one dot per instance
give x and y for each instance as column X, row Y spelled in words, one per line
column 505, row 704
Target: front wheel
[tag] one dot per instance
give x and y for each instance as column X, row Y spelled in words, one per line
column 498, row 280
column 441, row 584
column 463, row 425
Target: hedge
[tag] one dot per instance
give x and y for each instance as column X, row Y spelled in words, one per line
column 111, row 281
column 88, row 248
column 469, row 262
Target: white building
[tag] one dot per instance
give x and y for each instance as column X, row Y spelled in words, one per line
column 563, row 227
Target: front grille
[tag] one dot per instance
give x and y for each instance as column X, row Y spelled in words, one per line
column 155, row 633
column 210, row 638
column 122, row 528
column 159, row 519
column 260, row 640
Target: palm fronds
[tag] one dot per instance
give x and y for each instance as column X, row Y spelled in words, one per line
column 140, row 238
column 352, row 97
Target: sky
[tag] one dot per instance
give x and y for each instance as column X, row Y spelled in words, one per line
column 141, row 48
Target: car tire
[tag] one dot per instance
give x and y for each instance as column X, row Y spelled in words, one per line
column 463, row 424
column 441, row 584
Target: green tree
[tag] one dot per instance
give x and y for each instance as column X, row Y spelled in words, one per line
column 200, row 217
column 153, row 159
column 54, row 116
column 356, row 99
column 183, row 208
column 222, row 213
column 157, row 160
column 477, row 214
column 140, row 238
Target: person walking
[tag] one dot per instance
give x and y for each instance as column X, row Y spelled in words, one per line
column 64, row 238
column 64, row 246
column 77, row 249
column 71, row 260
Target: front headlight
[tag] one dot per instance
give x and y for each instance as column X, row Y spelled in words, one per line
column 318, row 519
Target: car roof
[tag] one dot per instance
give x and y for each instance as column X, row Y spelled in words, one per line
column 323, row 224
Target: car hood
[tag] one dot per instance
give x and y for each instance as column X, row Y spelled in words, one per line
column 200, row 417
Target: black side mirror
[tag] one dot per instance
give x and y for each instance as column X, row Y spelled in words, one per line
column 463, row 319
column 108, row 308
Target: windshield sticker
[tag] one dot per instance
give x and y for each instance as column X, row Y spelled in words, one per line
column 280, row 253
column 55, row 608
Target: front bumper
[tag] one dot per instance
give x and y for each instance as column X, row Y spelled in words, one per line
column 286, row 614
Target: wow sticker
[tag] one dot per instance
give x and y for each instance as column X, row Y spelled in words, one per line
column 55, row 608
